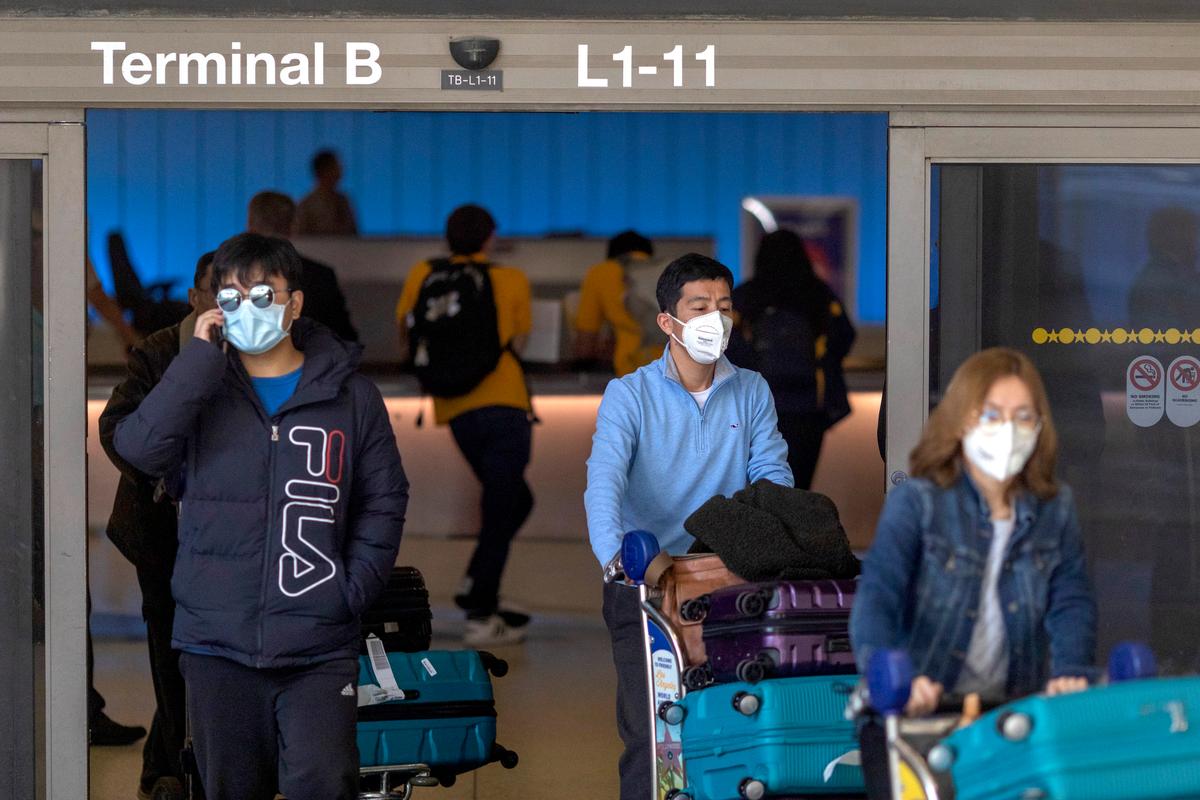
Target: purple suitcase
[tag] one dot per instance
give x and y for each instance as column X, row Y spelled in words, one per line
column 773, row 630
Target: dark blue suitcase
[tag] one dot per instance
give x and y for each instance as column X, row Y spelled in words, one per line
column 446, row 720
column 787, row 736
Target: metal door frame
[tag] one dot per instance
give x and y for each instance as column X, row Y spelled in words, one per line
column 916, row 141
column 57, row 138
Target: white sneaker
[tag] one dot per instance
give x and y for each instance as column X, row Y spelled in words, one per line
column 491, row 632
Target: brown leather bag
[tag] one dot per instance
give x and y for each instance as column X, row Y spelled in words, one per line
column 682, row 578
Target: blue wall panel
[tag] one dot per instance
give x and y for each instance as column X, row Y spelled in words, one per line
column 177, row 182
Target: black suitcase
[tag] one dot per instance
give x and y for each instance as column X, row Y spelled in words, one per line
column 401, row 617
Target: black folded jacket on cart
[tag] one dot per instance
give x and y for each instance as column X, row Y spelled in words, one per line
column 768, row 532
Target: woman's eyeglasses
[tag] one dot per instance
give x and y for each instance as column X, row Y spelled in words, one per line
column 992, row 418
column 262, row 296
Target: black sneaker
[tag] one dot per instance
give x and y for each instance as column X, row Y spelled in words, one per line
column 163, row 789
column 513, row 615
column 103, row 732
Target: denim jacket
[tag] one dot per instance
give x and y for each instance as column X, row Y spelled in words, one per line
column 921, row 584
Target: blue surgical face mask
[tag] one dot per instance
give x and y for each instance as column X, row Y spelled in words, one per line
column 255, row 330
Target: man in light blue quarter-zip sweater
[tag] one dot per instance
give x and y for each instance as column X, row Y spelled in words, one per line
column 669, row 437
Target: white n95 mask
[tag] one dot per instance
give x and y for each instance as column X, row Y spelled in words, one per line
column 1000, row 451
column 705, row 337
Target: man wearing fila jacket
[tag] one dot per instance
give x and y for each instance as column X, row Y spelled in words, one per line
column 292, row 507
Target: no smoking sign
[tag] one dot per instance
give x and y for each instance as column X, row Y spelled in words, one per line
column 1183, row 391
column 1144, row 394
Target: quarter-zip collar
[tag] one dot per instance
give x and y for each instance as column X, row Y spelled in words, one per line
column 724, row 370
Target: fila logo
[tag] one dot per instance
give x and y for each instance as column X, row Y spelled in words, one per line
column 311, row 503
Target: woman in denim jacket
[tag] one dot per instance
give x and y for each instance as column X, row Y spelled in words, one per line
column 977, row 569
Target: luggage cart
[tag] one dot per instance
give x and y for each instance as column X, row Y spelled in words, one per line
column 920, row 764
column 397, row 781
column 664, row 663
column 667, row 705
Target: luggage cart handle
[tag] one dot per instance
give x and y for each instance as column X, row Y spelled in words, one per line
column 635, row 561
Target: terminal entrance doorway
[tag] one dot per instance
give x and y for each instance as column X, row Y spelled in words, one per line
column 1080, row 249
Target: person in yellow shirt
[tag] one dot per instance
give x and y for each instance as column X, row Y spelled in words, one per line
column 463, row 322
column 610, row 294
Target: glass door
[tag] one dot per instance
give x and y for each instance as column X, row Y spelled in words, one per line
column 42, row 574
column 1081, row 248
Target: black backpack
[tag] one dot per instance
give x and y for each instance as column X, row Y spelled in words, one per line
column 785, row 350
column 453, row 337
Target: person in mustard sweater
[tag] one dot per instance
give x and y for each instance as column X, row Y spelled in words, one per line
column 609, row 296
column 462, row 323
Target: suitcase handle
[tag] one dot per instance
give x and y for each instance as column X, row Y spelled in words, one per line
column 840, row 644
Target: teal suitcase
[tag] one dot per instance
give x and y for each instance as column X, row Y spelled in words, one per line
column 787, row 736
column 447, row 719
column 1138, row 740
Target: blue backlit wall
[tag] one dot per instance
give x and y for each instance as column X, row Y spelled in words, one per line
column 177, row 182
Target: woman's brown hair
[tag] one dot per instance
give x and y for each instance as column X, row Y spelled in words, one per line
column 938, row 456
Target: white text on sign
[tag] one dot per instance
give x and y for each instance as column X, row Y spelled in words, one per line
column 236, row 67
column 673, row 57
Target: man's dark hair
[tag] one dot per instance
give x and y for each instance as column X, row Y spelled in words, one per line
column 467, row 228
column 323, row 160
column 685, row 269
column 202, row 265
column 248, row 256
column 627, row 242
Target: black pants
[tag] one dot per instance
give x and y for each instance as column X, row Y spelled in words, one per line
column 160, row 755
column 624, row 620
column 262, row 731
column 872, row 742
column 496, row 442
column 803, row 434
column 95, row 699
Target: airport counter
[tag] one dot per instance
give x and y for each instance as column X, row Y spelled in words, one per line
column 551, row 567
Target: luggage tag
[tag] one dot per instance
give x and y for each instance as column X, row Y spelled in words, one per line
column 388, row 689
column 852, row 758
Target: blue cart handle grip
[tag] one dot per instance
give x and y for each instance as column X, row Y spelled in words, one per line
column 889, row 679
column 1131, row 661
column 638, row 549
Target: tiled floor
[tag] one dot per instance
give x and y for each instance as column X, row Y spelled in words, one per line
column 555, row 706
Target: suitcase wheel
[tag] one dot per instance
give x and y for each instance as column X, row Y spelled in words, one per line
column 427, row 780
column 746, row 704
column 941, row 757
column 507, row 758
column 753, row 603
column 678, row 794
column 696, row 678
column 671, row 713
column 752, row 789
column 754, row 670
column 695, row 610
column 1014, row 726
column 497, row 666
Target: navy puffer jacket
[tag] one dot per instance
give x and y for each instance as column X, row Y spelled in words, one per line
column 289, row 525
